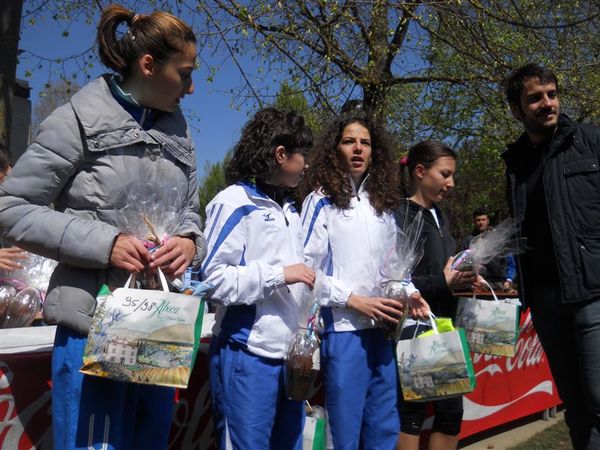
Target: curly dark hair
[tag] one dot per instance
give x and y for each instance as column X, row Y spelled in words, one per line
column 329, row 171
column 253, row 155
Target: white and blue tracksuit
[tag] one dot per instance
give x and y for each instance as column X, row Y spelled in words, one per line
column 357, row 361
column 250, row 240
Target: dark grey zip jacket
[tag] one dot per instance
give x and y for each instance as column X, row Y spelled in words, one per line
column 85, row 151
column 571, row 180
column 428, row 276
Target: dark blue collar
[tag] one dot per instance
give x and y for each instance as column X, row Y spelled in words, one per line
column 146, row 117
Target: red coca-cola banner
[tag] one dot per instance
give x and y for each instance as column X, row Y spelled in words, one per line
column 510, row 388
column 25, row 414
column 507, row 389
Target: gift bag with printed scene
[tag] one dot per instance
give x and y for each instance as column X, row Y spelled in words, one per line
column 144, row 336
column 436, row 364
column 492, row 326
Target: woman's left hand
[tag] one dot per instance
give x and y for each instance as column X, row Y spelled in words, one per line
column 174, row 256
column 419, row 308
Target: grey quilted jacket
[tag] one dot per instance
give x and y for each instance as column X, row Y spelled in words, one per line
column 84, row 152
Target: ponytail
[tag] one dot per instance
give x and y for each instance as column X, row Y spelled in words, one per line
column 159, row 34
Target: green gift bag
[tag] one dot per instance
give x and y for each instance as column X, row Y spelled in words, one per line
column 492, row 326
column 436, row 364
column 144, row 336
column 313, row 435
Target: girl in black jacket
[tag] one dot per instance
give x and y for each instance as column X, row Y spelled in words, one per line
column 429, row 170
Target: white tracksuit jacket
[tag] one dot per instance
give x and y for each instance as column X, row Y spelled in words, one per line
column 350, row 247
column 250, row 239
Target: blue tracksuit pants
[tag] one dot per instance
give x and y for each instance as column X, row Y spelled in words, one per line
column 360, row 379
column 250, row 407
column 97, row 413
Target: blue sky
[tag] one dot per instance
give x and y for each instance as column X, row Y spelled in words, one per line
column 215, row 124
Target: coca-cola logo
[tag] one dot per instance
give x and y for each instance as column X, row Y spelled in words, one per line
column 505, row 385
column 14, row 422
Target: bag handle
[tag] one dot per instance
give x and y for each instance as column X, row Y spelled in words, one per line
column 433, row 325
column 489, row 287
column 161, row 276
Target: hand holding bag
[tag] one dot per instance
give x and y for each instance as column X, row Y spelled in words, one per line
column 492, row 326
column 144, row 336
column 435, row 365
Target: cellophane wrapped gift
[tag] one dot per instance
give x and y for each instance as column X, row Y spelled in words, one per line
column 495, row 242
column 22, row 291
column 400, row 262
column 152, row 212
column 303, row 360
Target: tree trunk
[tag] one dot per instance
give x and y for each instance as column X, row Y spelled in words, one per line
column 375, row 99
column 10, row 23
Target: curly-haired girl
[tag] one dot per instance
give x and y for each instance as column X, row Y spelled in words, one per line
column 254, row 259
column 348, row 228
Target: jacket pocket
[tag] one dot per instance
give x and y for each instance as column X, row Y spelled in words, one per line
column 582, row 180
column 587, row 165
column 70, row 306
column 71, row 299
column 589, row 251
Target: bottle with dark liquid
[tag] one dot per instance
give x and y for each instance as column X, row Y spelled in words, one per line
column 302, row 365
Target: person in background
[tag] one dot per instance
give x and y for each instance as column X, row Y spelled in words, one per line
column 348, row 229
column 428, row 177
column 256, row 265
column 118, row 126
column 553, row 175
column 499, row 272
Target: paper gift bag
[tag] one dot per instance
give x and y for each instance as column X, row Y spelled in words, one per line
column 313, row 435
column 492, row 326
column 435, row 366
column 144, row 336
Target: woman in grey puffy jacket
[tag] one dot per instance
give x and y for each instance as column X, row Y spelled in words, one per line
column 117, row 128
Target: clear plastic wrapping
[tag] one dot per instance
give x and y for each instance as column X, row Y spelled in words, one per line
column 495, row 242
column 152, row 212
column 22, row 291
column 302, row 362
column 302, row 365
column 400, row 262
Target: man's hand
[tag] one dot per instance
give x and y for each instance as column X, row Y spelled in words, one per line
column 174, row 256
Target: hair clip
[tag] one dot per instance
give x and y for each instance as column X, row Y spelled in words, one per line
column 404, row 161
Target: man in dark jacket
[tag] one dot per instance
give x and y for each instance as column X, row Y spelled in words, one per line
column 554, row 189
